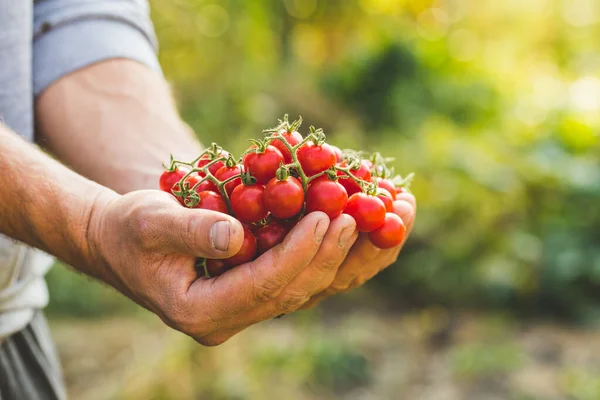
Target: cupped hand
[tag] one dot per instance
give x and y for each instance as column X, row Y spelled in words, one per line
column 364, row 260
column 145, row 245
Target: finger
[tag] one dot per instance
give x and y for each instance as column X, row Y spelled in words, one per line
column 360, row 258
column 320, row 272
column 256, row 283
column 201, row 233
column 359, row 267
column 410, row 199
column 406, row 212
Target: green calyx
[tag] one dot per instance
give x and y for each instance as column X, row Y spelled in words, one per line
column 285, row 125
column 317, row 135
column 283, row 173
column 248, row 179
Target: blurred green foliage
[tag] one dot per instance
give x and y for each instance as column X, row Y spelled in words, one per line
column 494, row 105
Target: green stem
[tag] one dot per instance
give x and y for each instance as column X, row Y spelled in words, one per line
column 295, row 163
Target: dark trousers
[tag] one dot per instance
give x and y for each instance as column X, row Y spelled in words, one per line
column 29, row 367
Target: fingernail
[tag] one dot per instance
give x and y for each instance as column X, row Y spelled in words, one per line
column 346, row 235
column 320, row 230
column 219, row 235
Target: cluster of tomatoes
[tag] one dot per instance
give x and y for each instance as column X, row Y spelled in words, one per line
column 282, row 177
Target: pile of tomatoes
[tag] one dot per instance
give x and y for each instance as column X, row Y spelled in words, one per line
column 282, row 177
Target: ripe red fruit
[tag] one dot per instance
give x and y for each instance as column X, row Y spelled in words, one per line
column 212, row 201
column 327, row 196
column 368, row 211
column 269, row 236
column 390, row 234
column 293, row 138
column 192, row 180
column 386, row 197
column 284, row 199
column 169, row 179
column 387, row 185
column 263, row 166
column 400, row 189
column 338, row 153
column 363, row 172
column 226, row 172
column 315, row 159
column 207, row 158
column 216, row 267
column 247, row 251
column 247, row 203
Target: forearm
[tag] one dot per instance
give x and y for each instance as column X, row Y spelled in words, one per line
column 114, row 122
column 43, row 203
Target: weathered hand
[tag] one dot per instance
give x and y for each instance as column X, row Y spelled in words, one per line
column 364, row 260
column 145, row 245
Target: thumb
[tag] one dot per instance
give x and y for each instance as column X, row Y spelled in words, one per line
column 203, row 233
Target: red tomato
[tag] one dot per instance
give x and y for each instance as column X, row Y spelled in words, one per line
column 269, row 236
column 338, row 153
column 284, row 199
column 247, row 251
column 247, row 203
column 386, row 197
column 169, row 179
column 192, row 180
column 293, row 138
column 227, row 172
column 315, row 159
column 207, row 186
column 216, row 267
column 368, row 211
column 290, row 223
column 212, row 201
column 387, row 185
column 263, row 166
column 327, row 196
column 401, row 189
column 390, row 234
column 207, row 158
column 363, row 172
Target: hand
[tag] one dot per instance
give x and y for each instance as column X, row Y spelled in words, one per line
column 145, row 245
column 365, row 260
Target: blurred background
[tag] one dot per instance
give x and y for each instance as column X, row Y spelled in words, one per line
column 493, row 104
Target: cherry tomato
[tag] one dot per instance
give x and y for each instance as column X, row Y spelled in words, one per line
column 368, row 211
column 212, row 201
column 293, row 138
column 390, row 234
column 207, row 158
column 263, row 166
column 192, row 180
column 338, row 153
column 387, row 185
column 401, row 189
column 247, row 203
column 290, row 223
column 327, row 196
column 270, row 235
column 315, row 159
column 247, row 251
column 216, row 267
column 227, row 172
column 386, row 197
column 363, row 172
column 169, row 179
column 284, row 199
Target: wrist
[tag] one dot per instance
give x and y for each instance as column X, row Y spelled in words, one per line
column 93, row 260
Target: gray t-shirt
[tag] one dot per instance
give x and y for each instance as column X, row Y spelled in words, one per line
column 40, row 42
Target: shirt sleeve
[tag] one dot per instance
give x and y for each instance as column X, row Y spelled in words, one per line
column 71, row 34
